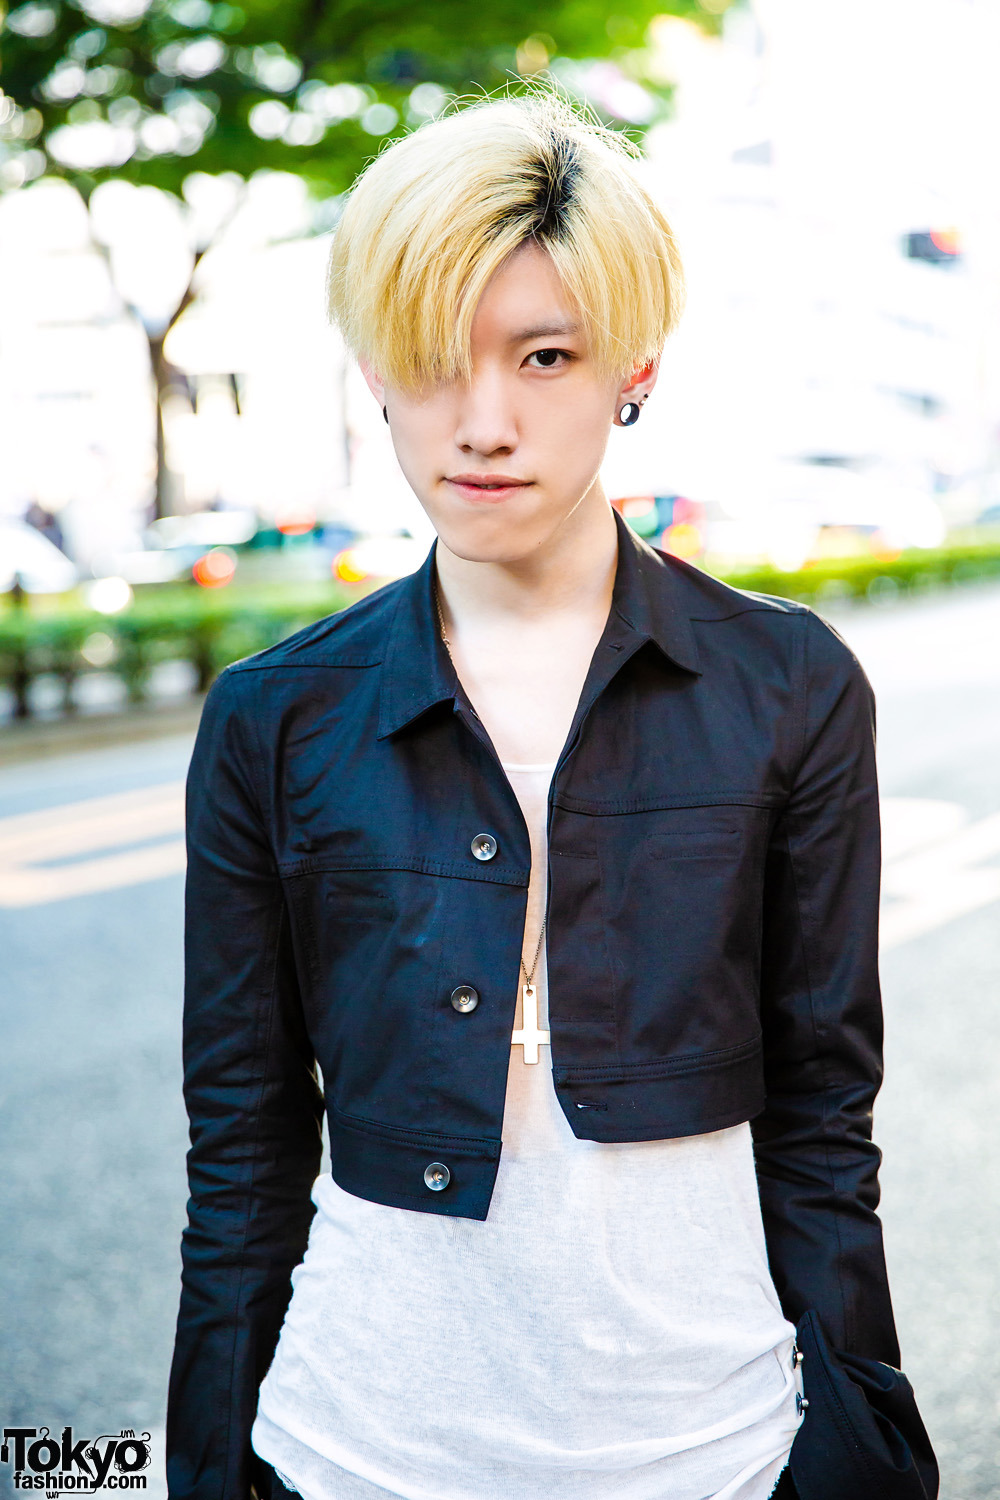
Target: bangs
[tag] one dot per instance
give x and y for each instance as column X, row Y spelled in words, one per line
column 434, row 216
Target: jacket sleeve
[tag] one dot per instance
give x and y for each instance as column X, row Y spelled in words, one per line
column 255, row 1109
column 821, row 1013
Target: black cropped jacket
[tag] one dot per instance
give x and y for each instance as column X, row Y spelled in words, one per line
column 714, row 854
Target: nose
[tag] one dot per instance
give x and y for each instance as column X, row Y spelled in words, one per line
column 485, row 416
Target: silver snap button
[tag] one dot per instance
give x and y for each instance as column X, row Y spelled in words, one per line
column 800, row 1404
column 484, row 846
column 437, row 1176
column 464, row 998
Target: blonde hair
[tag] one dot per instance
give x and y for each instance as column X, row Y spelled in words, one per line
column 430, row 219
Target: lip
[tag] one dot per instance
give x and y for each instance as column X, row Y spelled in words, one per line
column 487, row 487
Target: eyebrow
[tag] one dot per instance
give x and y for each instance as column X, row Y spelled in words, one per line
column 543, row 331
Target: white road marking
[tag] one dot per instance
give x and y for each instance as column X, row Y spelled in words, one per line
column 910, row 822
column 27, row 840
column 934, row 859
column 934, row 866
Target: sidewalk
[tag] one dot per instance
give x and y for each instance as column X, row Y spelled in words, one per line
column 29, row 739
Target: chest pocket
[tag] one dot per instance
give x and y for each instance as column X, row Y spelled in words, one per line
column 347, row 900
column 681, row 894
column 695, row 843
column 339, row 916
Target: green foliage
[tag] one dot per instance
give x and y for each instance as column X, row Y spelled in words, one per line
column 874, row 578
column 171, row 85
column 169, row 624
column 210, row 630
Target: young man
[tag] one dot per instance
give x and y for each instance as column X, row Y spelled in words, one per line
column 561, row 859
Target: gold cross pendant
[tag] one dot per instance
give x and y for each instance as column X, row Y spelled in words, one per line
column 528, row 1033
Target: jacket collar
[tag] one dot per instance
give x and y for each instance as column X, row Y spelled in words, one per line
column 647, row 599
column 417, row 672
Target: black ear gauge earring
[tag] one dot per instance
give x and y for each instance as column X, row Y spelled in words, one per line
column 385, row 414
column 629, row 413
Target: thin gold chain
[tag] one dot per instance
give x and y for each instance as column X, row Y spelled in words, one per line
column 444, row 633
column 528, row 978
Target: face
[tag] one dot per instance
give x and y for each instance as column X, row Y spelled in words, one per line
column 505, row 461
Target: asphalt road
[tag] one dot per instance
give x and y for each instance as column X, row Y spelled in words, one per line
column 93, row 1127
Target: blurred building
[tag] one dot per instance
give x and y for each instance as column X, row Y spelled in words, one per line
column 76, row 428
column 254, row 417
column 826, row 161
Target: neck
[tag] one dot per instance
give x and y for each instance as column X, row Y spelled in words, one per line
column 573, row 570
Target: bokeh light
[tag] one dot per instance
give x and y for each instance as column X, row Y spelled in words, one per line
column 216, row 568
column 99, row 649
column 347, row 566
column 109, row 596
column 683, row 540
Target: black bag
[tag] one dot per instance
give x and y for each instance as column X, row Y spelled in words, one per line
column 861, row 1437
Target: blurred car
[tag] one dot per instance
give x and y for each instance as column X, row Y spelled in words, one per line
column 174, row 544
column 673, row 523
column 790, row 514
column 378, row 557
column 291, row 548
column 43, row 569
column 202, row 529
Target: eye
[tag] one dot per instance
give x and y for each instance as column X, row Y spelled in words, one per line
column 549, row 359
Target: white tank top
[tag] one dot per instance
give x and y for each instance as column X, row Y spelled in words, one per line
column 610, row 1328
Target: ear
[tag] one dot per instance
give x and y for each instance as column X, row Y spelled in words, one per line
column 372, row 380
column 636, row 387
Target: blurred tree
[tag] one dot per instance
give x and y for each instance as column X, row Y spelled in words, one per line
column 154, row 91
